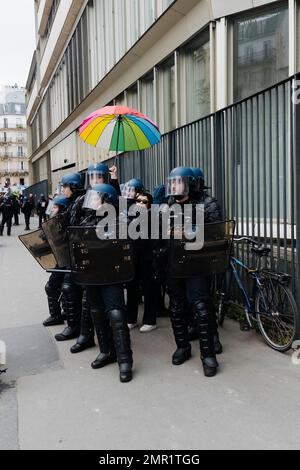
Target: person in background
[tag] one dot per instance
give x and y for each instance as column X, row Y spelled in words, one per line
column 41, row 209
column 27, row 209
column 7, row 214
column 16, row 209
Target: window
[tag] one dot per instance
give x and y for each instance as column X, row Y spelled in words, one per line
column 20, row 152
column 167, row 102
column 120, row 100
column 261, row 51
column 195, row 57
column 19, row 122
column 22, row 165
column 5, row 123
column 147, row 95
column 132, row 97
column 18, row 108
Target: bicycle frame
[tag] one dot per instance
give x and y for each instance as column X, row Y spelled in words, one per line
column 248, row 302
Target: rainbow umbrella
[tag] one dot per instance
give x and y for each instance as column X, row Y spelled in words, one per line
column 119, row 128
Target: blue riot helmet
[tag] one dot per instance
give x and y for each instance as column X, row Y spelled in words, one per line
column 100, row 194
column 132, row 187
column 97, row 173
column 56, row 205
column 159, row 194
column 199, row 179
column 180, row 182
column 71, row 180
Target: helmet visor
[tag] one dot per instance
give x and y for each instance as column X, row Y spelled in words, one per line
column 178, row 186
column 129, row 191
column 95, row 177
column 49, row 207
column 93, row 200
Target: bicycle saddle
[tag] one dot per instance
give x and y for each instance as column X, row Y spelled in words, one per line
column 261, row 251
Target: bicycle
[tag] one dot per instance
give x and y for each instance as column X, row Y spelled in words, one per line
column 271, row 306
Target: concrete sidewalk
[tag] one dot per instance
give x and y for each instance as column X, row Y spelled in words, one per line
column 51, row 399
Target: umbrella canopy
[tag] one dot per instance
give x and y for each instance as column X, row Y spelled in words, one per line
column 119, row 128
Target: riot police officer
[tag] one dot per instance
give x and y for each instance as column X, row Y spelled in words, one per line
column 54, row 285
column 72, row 188
column 212, row 213
column 97, row 173
column 132, row 188
column 7, row 214
column 194, row 291
column 107, row 301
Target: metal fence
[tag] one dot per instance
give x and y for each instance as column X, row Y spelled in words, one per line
column 248, row 152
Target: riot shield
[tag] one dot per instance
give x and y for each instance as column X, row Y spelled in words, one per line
column 37, row 244
column 212, row 258
column 55, row 230
column 99, row 262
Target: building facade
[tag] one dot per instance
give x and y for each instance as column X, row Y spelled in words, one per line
column 218, row 78
column 176, row 61
column 13, row 137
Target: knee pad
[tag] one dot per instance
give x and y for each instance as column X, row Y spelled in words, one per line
column 200, row 310
column 117, row 318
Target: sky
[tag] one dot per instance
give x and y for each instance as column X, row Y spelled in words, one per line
column 17, row 40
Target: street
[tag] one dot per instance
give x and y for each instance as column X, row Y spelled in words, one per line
column 51, row 399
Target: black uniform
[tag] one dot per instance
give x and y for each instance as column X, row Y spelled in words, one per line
column 7, row 214
column 16, row 210
column 194, row 294
column 109, row 317
column 27, row 208
column 41, row 210
column 144, row 278
column 72, row 293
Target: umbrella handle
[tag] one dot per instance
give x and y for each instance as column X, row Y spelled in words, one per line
column 119, row 125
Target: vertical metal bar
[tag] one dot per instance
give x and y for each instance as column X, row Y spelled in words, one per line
column 277, row 173
column 219, row 162
column 270, row 178
column 258, row 167
column 242, row 147
column 252, row 170
column 292, row 183
column 284, row 179
column 264, row 165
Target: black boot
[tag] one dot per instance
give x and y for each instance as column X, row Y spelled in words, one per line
column 72, row 299
column 103, row 331
column 180, row 330
column 210, row 365
column 86, row 337
column 207, row 348
column 53, row 296
column 121, row 338
column 181, row 355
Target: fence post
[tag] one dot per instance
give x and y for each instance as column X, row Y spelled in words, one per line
column 219, row 161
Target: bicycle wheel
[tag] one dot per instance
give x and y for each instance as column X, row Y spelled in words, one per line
column 277, row 315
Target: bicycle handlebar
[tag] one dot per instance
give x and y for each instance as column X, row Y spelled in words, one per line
column 246, row 239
